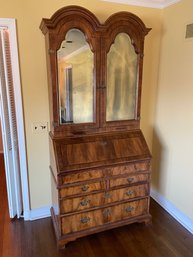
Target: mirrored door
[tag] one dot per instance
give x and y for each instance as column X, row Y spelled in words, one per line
column 121, row 82
column 76, row 79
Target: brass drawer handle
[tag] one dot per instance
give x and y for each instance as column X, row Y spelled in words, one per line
column 85, row 220
column 129, row 193
column 107, row 212
column 85, row 188
column 130, row 180
column 84, row 202
column 129, row 209
column 108, row 195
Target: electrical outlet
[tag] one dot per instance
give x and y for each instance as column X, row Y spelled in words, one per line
column 39, row 127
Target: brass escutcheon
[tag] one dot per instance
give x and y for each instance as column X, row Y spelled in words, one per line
column 85, row 188
column 84, row 202
column 85, row 220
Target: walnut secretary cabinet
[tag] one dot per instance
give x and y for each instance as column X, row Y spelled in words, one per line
column 99, row 160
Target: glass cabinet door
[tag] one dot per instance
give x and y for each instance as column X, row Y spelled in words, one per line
column 121, row 80
column 94, row 71
column 75, row 79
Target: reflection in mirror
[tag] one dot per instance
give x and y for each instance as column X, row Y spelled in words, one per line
column 75, row 79
column 121, row 80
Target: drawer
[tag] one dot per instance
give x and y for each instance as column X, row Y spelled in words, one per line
column 127, row 193
column 81, row 176
column 94, row 200
column 84, row 188
column 81, row 203
column 86, row 220
column 130, row 168
column 129, row 180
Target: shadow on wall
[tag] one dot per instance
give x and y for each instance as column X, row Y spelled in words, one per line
column 160, row 156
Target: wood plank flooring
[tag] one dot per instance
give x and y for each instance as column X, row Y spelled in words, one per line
column 165, row 238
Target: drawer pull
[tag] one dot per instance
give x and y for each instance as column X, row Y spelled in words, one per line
column 84, row 202
column 107, row 212
column 129, row 209
column 129, row 193
column 85, row 220
column 85, row 188
column 108, row 195
column 130, row 180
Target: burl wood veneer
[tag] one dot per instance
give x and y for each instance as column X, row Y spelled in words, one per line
column 101, row 169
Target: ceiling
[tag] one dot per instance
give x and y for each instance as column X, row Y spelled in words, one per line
column 146, row 3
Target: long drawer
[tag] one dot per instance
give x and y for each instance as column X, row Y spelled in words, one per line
column 99, row 199
column 86, row 220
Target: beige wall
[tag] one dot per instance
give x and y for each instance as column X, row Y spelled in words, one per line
column 34, row 76
column 173, row 130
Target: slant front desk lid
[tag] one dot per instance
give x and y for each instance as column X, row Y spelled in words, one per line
column 98, row 150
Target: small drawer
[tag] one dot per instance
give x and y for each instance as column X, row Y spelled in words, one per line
column 86, row 220
column 81, row 203
column 130, row 168
column 84, row 188
column 127, row 193
column 99, row 199
column 81, row 176
column 129, row 180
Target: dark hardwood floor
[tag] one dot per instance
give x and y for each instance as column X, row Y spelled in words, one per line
column 164, row 238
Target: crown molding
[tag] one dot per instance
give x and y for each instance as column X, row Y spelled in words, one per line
column 160, row 4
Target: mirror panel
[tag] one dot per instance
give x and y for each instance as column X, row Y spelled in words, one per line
column 122, row 62
column 75, row 78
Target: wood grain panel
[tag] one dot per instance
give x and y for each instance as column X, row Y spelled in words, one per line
column 97, row 151
column 127, row 193
column 83, row 188
column 99, row 217
column 101, row 199
column 81, row 176
column 129, row 168
column 129, row 180
column 81, row 203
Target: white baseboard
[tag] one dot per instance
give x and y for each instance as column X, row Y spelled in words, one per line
column 38, row 213
column 173, row 211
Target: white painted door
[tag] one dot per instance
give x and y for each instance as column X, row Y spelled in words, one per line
column 9, row 126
